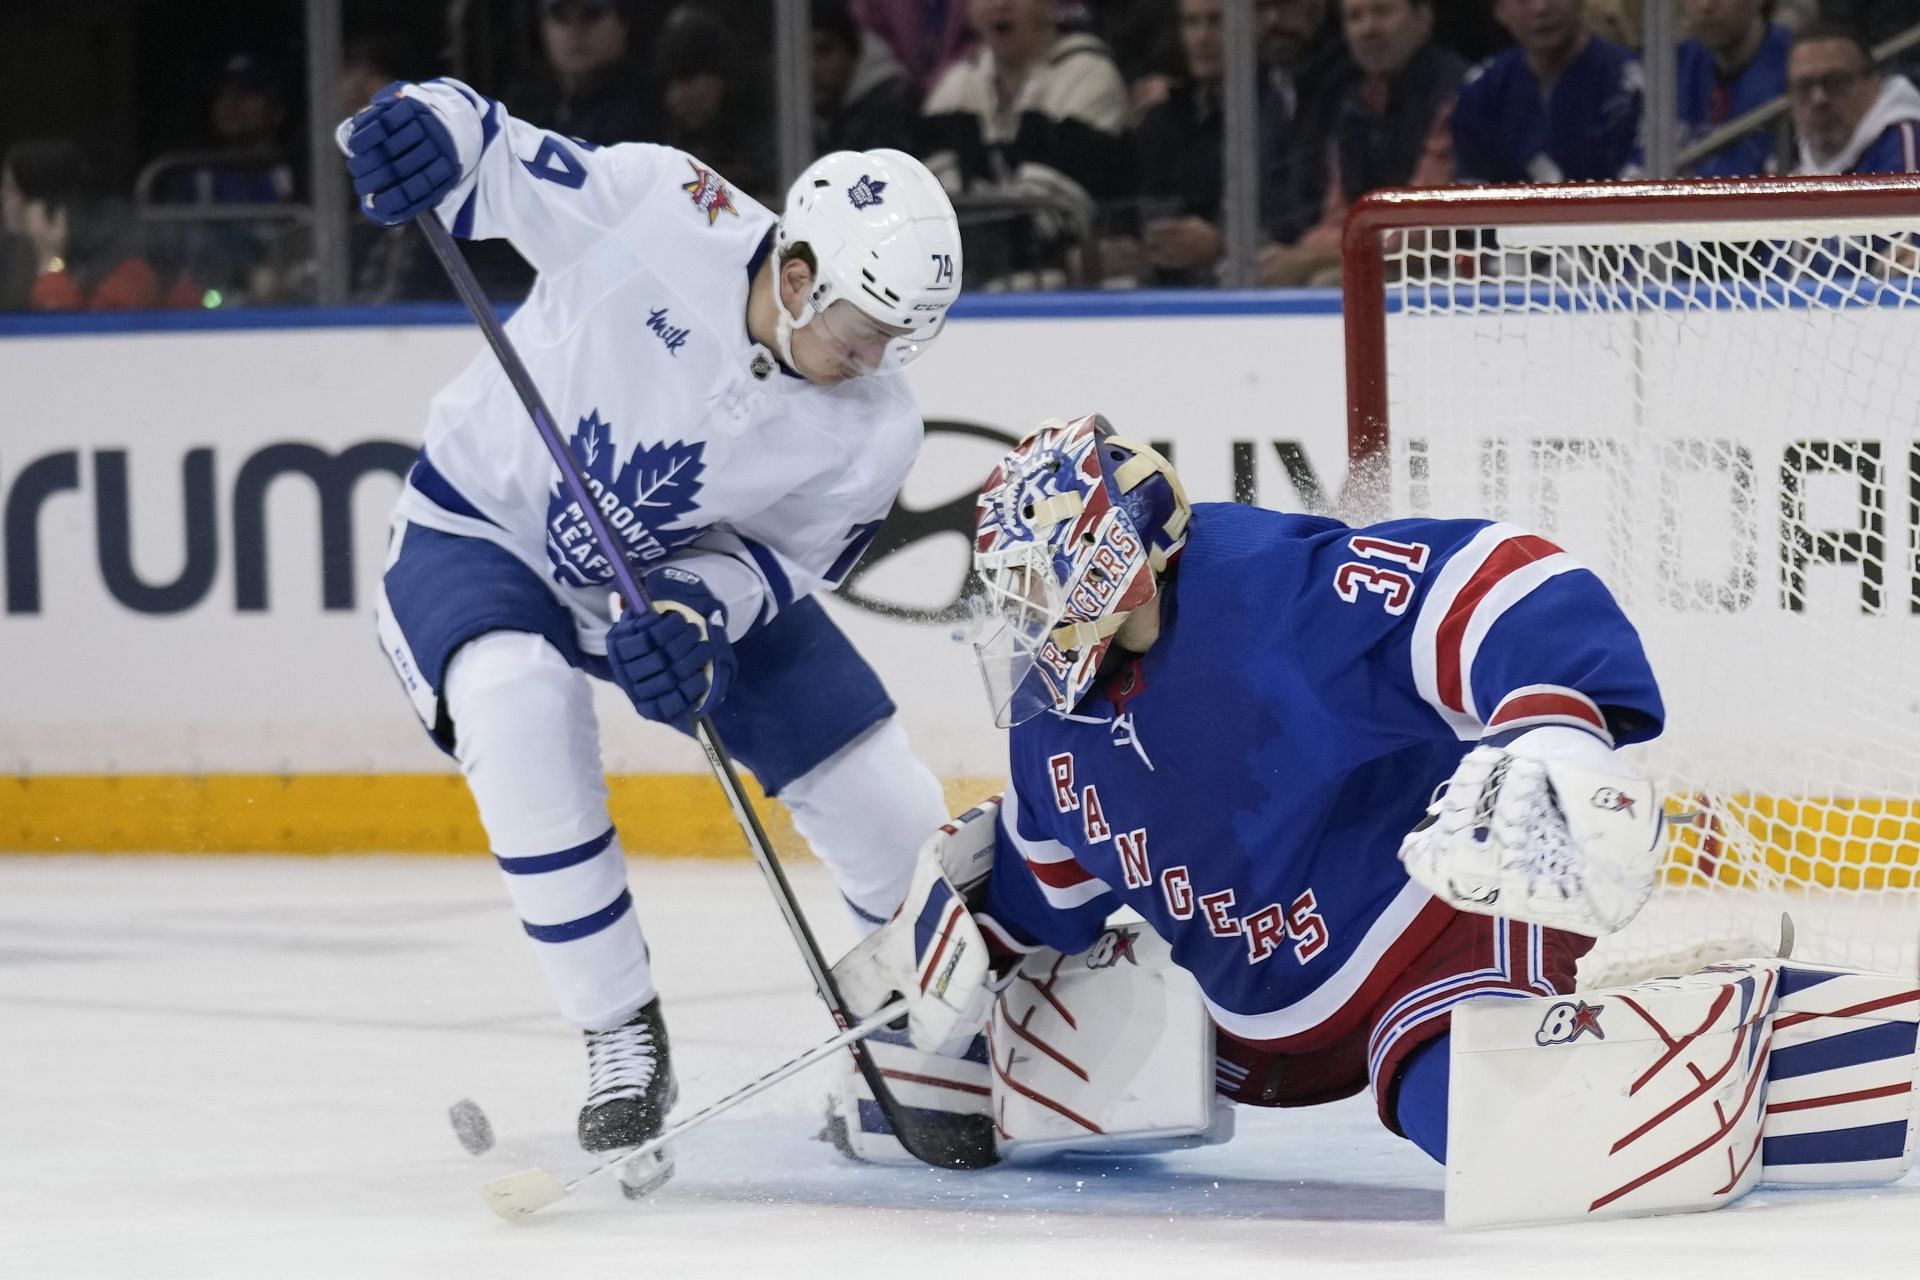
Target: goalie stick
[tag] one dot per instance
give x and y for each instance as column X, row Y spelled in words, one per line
column 965, row 1145
column 531, row 1190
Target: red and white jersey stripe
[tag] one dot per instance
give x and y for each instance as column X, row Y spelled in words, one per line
column 1496, row 570
column 1534, row 705
column 1065, row 883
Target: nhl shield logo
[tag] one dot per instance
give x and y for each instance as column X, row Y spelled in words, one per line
column 866, row 192
column 710, row 195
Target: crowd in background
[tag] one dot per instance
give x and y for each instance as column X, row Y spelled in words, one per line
column 1081, row 141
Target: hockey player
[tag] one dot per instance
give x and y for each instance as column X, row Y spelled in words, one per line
column 1315, row 761
column 730, row 385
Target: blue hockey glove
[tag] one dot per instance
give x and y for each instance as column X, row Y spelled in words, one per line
column 674, row 661
column 402, row 158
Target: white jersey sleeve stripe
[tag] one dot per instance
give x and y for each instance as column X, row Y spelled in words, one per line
column 1497, row 569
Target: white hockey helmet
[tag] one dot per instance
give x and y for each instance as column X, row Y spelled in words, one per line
column 884, row 241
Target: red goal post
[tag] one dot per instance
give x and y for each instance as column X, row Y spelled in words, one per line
column 1708, row 392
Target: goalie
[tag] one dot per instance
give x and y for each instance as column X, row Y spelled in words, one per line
column 1362, row 790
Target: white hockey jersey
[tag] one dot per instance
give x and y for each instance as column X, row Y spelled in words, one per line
column 697, row 443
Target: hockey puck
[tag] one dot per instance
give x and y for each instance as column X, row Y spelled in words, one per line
column 471, row 1126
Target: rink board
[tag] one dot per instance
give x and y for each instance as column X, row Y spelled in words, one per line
column 195, row 513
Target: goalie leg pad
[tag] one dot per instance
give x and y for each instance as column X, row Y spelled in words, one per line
column 1631, row 1100
column 1843, row 1079
column 936, row 1087
column 1109, row 1051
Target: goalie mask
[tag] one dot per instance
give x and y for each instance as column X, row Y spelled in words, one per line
column 1072, row 530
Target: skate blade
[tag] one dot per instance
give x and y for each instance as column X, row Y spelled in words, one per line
column 646, row 1174
column 519, row 1194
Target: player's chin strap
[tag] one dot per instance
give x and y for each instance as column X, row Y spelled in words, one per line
column 784, row 323
column 1075, row 635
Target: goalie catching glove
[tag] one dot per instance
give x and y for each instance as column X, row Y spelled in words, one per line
column 1554, row 829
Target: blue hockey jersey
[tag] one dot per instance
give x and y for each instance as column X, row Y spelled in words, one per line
column 1705, row 100
column 1582, row 128
column 1245, row 784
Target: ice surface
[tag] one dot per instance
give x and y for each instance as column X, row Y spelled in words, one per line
column 242, row 1067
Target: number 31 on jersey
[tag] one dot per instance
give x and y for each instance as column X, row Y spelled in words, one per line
column 1373, row 571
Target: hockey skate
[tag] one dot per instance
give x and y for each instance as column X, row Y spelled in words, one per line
column 630, row 1089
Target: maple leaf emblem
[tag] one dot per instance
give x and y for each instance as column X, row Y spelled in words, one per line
column 646, row 503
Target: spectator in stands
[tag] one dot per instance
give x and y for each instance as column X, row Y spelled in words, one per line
column 84, row 247
column 1144, row 37
column 1735, row 60
column 927, row 36
column 1617, row 20
column 1849, row 117
column 370, row 63
column 593, row 83
column 715, row 94
column 1034, row 114
column 247, row 163
column 1179, row 149
column 1562, row 105
column 862, row 97
column 1392, row 128
column 387, row 267
column 247, row 119
column 1305, row 71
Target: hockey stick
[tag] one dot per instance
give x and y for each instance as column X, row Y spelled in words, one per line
column 965, row 1142
column 519, row 1194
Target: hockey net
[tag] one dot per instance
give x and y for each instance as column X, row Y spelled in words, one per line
column 1710, row 395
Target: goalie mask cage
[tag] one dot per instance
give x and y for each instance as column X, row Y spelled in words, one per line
column 1708, row 393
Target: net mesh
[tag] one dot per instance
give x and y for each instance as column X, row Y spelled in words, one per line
column 1722, row 424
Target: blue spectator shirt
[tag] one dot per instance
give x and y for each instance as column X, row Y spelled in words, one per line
column 1896, row 150
column 1506, row 128
column 1707, row 100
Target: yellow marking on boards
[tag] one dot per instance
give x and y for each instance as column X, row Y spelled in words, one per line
column 657, row 815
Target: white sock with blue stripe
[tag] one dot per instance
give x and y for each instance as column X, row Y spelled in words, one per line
column 529, row 746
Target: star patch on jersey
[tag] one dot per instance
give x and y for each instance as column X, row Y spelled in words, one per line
column 710, row 195
column 1114, row 946
column 866, row 192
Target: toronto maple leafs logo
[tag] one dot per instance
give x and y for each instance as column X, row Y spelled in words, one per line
column 710, row 195
column 866, row 192
column 643, row 502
